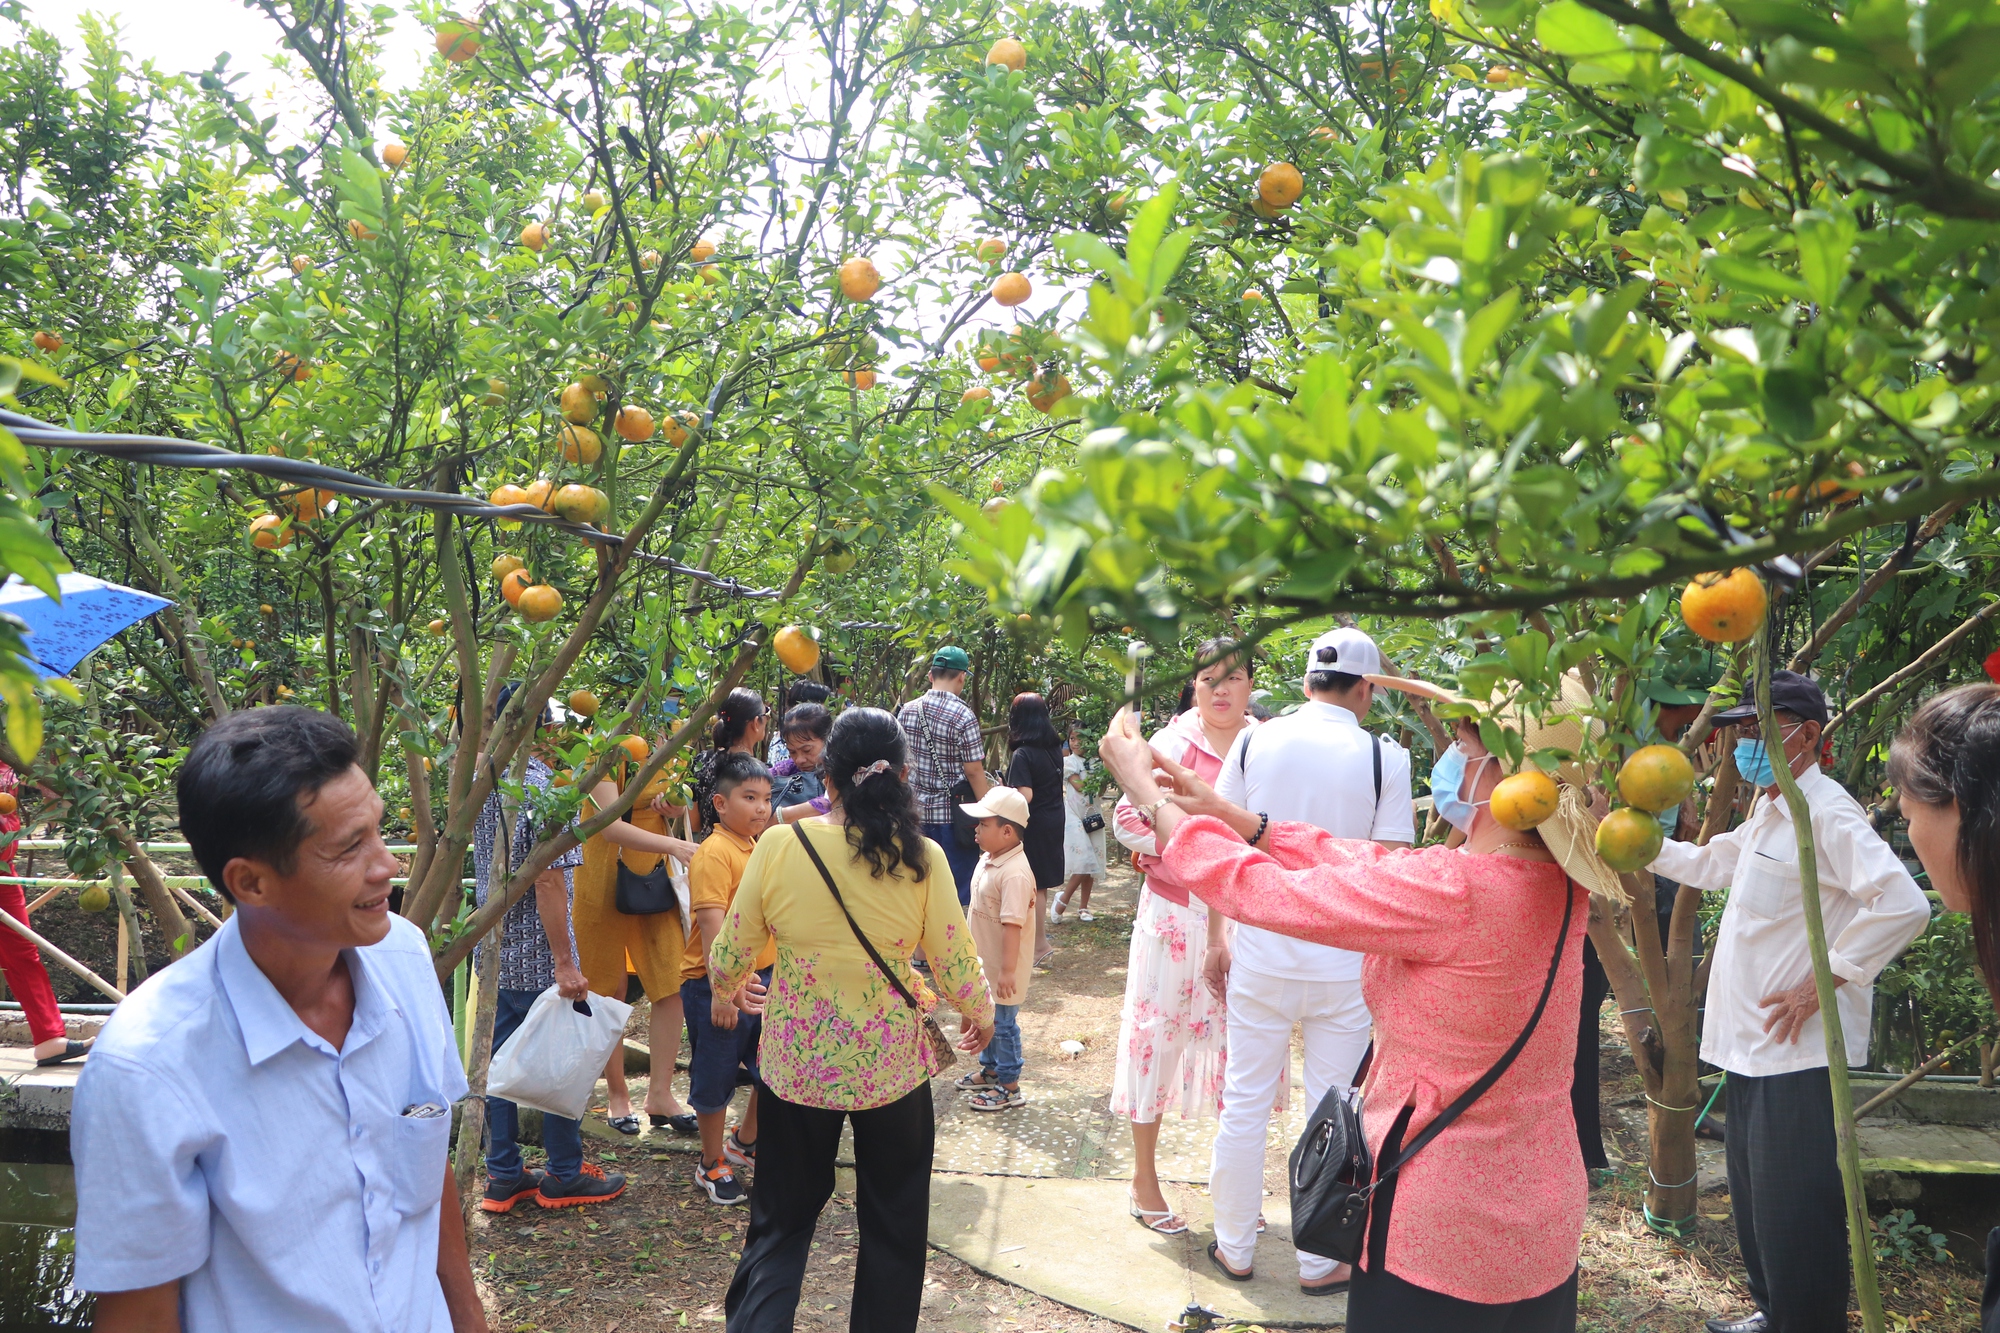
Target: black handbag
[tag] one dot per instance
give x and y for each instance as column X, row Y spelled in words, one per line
column 963, row 824
column 1332, row 1175
column 1092, row 821
column 645, row 895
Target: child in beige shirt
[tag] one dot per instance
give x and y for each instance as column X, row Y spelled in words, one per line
column 1003, row 903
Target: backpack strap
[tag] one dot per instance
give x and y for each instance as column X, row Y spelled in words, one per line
column 1376, row 742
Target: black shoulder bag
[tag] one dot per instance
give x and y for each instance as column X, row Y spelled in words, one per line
column 1332, row 1174
column 962, row 824
column 931, row 1030
column 645, row 895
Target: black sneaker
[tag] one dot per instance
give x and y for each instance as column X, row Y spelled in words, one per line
column 502, row 1195
column 593, row 1184
column 738, row 1153
column 720, row 1183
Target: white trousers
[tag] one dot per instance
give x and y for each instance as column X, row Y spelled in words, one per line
column 1262, row 1010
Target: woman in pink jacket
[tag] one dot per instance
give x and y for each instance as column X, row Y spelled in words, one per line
column 1171, row 1039
column 1479, row 1232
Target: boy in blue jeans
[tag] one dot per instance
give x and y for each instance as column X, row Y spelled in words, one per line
column 723, row 1029
column 1003, row 903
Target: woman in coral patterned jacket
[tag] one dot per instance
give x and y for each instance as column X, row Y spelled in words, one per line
column 1487, row 1218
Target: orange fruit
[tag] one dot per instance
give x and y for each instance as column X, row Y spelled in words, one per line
column 1629, row 839
column 1043, row 397
column 496, row 393
column 710, row 274
column 300, row 263
column 1524, row 800
column 503, row 565
column 1116, row 205
column 309, row 504
column 1324, row 133
column 1280, row 185
column 1262, row 209
column 292, row 367
column 535, row 235
column 990, row 250
column 1499, row 74
column 264, row 607
column 48, row 342
column 650, row 260
column 633, row 423
column 541, row 493
column 592, row 200
column 979, row 395
column 581, row 445
column 1253, row 296
column 858, row 280
column 798, row 650
column 1724, row 607
column 989, row 363
column 509, row 494
column 1010, row 289
column 538, row 603
column 580, row 504
column 394, row 155
column 705, row 249
column 1008, row 52
column 676, row 428
column 437, row 627
column 8, row 805
column 577, row 404
column 267, row 532
column 517, row 582
column 1655, row 778
column 583, row 703
column 864, row 378
column 360, row 230
column 458, row 42
column 636, row 747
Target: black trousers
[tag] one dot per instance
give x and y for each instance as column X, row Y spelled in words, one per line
column 1784, row 1188
column 1381, row 1302
column 892, row 1198
column 1584, row 1101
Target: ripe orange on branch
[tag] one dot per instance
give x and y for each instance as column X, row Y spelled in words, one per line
column 541, row 493
column 394, row 155
column 1656, row 778
column 581, row 445
column 1524, row 800
column 583, row 703
column 1629, row 839
column 514, row 584
column 990, row 249
column 636, row 747
column 978, row 395
column 539, row 603
column 858, row 280
column 577, row 404
column 580, row 504
column 798, row 650
column 864, row 378
column 360, row 230
column 535, row 235
column 438, row 627
column 704, row 249
column 268, row 533
column 503, row 565
column 48, row 342
column 1011, row 289
column 509, row 494
column 1043, row 396
column 458, row 42
column 1008, row 52
column 633, row 423
column 1280, row 185
column 1724, row 607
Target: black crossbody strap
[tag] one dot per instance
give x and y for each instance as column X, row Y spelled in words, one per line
column 1491, row 1076
column 855, row 926
column 1375, row 743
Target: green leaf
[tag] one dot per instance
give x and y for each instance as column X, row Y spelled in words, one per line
column 1568, row 29
column 24, row 710
column 1824, row 244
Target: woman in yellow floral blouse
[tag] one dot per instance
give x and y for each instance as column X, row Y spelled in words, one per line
column 839, row 1042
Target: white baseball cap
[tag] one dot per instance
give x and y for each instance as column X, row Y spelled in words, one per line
column 1353, row 653
column 1000, row 803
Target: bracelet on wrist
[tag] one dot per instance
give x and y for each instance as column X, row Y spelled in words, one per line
column 1263, row 824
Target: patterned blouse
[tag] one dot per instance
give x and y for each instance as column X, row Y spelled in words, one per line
column 836, row 1034
column 525, row 960
column 1458, row 950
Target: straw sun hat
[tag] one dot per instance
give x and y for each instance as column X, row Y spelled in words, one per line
column 1570, row 833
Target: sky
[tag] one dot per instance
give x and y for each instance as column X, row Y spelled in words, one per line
column 184, row 35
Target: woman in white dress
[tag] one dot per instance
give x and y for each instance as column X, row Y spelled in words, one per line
column 1083, row 851
column 1171, row 1032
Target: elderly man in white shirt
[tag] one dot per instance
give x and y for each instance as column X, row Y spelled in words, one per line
column 260, row 1133
column 1763, row 1024
column 1315, row 766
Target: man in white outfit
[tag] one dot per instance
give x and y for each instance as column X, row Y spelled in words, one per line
column 1314, row 766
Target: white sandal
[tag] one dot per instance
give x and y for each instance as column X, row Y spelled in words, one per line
column 1168, row 1223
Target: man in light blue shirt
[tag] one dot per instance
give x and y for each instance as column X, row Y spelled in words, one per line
column 261, row 1132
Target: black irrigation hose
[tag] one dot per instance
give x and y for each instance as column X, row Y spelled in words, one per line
column 160, row 451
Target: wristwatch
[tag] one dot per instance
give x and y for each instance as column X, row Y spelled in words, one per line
column 1148, row 811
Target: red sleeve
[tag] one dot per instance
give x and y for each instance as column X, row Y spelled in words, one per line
column 1348, row 893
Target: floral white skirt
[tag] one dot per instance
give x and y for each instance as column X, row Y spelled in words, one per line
column 1172, row 1039
column 1083, row 853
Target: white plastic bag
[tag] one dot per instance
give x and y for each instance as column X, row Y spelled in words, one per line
column 554, row 1059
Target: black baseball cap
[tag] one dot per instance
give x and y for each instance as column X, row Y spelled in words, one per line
column 1790, row 692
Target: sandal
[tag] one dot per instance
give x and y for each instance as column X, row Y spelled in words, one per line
column 69, row 1052
column 1168, row 1224
column 627, row 1125
column 1326, row 1288
column 1222, row 1267
column 997, row 1098
column 684, row 1123
column 982, row 1077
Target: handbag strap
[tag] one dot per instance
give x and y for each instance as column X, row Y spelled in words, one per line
column 1500, row 1066
column 852, row 924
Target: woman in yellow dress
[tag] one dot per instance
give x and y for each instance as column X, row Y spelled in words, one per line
column 610, row 943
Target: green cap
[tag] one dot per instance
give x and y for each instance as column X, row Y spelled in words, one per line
column 950, row 659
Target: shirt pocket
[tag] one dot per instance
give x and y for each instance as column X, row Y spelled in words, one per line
column 1765, row 886
column 420, row 1145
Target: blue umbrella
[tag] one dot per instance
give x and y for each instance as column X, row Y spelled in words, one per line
column 91, row 613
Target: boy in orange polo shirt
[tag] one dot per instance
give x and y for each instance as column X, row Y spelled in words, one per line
column 723, row 1030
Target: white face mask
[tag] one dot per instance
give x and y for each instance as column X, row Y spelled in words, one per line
column 1448, row 776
